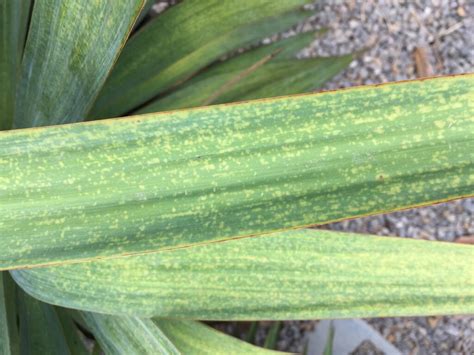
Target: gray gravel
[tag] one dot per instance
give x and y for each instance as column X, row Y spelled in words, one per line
column 432, row 335
column 392, row 30
column 446, row 221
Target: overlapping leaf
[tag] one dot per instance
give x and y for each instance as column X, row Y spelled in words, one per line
column 196, row 338
column 307, row 274
column 133, row 335
column 160, row 181
column 71, row 47
column 13, row 26
column 9, row 339
column 128, row 335
column 283, row 75
column 71, row 332
column 40, row 328
column 182, row 41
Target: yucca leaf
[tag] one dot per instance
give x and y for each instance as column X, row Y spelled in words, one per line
column 328, row 349
column 71, row 47
column 40, row 329
column 306, row 274
column 9, row 340
column 273, row 79
column 161, row 181
column 25, row 13
column 287, row 78
column 13, row 25
column 71, row 332
column 195, row 91
column 196, row 338
column 145, row 10
column 209, row 80
column 272, row 335
column 128, row 335
column 158, row 57
column 252, row 332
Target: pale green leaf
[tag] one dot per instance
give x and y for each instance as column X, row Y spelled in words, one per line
column 198, row 339
column 158, row 56
column 128, row 335
column 71, row 47
column 306, row 274
column 161, row 181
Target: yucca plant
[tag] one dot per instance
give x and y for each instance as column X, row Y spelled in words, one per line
column 128, row 231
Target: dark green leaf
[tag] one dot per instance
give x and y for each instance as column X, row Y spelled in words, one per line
column 272, row 336
column 40, row 329
column 252, row 332
column 9, row 340
column 13, row 25
column 273, row 79
column 71, row 332
column 158, row 56
column 194, row 91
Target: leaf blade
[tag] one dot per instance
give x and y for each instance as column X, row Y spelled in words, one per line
column 71, row 332
column 192, row 337
column 165, row 181
column 69, row 38
column 13, row 25
column 298, row 76
column 40, row 329
column 9, row 339
column 128, row 335
column 306, row 274
column 145, row 70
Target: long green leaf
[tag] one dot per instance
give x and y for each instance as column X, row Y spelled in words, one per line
column 71, row 47
column 71, row 332
column 158, row 57
column 303, row 274
column 128, row 335
column 196, row 338
column 40, row 329
column 161, row 181
column 13, row 24
column 286, row 78
column 283, row 75
column 9, row 340
column 273, row 79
